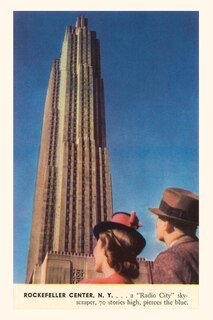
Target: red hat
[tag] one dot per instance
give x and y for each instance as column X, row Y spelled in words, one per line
column 123, row 221
column 180, row 205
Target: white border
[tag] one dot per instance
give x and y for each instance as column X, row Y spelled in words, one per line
column 6, row 162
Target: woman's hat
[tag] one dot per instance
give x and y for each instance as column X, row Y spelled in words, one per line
column 180, row 205
column 123, row 221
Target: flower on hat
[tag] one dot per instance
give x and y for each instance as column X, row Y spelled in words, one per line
column 133, row 220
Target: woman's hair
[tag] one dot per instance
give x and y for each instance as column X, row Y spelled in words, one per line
column 119, row 249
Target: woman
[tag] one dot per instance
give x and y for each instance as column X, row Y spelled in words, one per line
column 117, row 248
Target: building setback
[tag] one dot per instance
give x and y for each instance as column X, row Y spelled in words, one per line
column 73, row 186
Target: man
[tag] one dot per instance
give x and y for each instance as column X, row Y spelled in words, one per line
column 178, row 216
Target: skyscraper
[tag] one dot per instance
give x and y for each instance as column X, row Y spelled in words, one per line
column 73, row 186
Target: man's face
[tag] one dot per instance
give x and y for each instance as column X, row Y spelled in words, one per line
column 160, row 229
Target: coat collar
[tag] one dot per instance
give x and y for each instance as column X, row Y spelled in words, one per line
column 183, row 239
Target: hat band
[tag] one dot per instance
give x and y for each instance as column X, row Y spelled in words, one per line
column 173, row 212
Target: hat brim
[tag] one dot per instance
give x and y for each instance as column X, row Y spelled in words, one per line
column 159, row 212
column 109, row 225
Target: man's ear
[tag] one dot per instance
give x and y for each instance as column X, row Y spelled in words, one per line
column 169, row 228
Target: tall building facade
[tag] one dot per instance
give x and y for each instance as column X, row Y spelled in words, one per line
column 73, row 186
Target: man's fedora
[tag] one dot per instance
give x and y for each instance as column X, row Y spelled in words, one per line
column 180, row 205
column 126, row 222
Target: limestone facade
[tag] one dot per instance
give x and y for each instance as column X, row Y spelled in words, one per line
column 64, row 268
column 73, row 186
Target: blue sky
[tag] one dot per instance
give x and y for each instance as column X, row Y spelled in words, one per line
column 150, row 70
